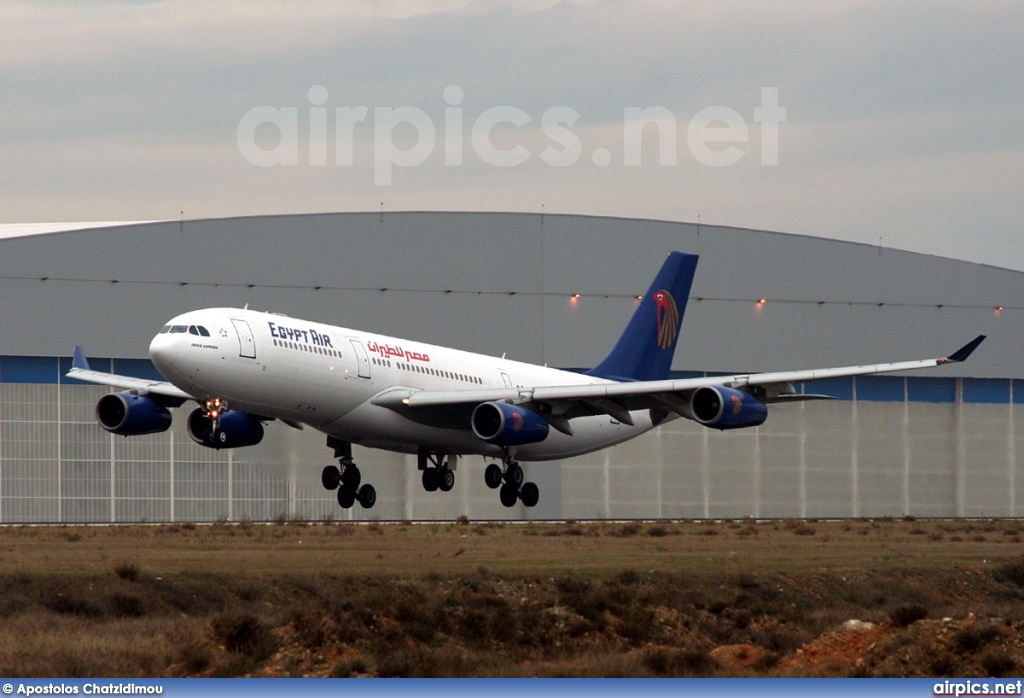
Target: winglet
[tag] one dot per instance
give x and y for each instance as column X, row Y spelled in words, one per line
column 963, row 352
column 79, row 361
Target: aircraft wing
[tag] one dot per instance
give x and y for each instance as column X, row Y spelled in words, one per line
column 561, row 403
column 80, row 370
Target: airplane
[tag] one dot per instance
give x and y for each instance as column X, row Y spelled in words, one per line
column 245, row 368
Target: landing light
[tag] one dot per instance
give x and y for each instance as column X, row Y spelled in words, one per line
column 214, row 407
column 998, row 308
column 762, row 301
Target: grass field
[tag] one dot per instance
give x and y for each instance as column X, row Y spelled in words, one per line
column 748, row 598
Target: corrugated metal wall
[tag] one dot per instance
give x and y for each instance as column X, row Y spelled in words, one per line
column 502, row 283
column 904, row 446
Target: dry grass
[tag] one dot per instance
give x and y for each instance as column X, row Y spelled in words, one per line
column 485, row 599
column 590, row 548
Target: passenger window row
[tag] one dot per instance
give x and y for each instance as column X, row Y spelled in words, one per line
column 451, row 375
column 308, row 348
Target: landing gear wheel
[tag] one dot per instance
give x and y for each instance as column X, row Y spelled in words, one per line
column 346, row 497
column 330, row 477
column 352, row 477
column 445, row 479
column 492, row 476
column 514, row 475
column 367, row 496
column 530, row 494
column 430, row 480
column 509, row 495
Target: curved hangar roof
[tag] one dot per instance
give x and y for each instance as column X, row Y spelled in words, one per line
column 504, row 283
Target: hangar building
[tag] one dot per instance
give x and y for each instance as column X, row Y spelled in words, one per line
column 554, row 289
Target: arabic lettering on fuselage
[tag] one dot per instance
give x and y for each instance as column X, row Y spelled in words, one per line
column 387, row 350
column 293, row 334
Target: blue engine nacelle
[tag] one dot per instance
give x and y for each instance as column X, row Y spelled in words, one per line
column 504, row 424
column 725, row 408
column 234, row 429
column 132, row 415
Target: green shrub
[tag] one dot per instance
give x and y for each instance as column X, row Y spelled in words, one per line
column 974, row 637
column 998, row 664
column 1011, row 572
column 902, row 616
column 128, row 571
column 245, row 634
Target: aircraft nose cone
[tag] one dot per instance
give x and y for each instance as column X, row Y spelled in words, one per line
column 160, row 350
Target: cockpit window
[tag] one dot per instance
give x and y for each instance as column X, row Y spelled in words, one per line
column 203, row 332
column 165, row 329
column 192, row 329
column 178, row 329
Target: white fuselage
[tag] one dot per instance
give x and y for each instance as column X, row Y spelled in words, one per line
column 327, row 377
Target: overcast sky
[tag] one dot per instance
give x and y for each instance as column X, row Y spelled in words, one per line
column 903, row 121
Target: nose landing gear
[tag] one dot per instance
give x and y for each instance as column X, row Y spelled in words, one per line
column 346, row 479
column 509, row 482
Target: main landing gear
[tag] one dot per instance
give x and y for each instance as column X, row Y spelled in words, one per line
column 347, row 478
column 438, row 470
column 509, row 482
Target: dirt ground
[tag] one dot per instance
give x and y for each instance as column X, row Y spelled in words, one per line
column 862, row 597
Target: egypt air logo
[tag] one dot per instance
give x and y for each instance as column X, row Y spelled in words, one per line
column 737, row 405
column 668, row 318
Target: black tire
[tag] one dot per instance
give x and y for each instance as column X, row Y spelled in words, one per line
column 430, row 479
column 352, row 477
column 530, row 494
column 492, row 476
column 514, row 475
column 367, row 496
column 346, row 497
column 445, row 479
column 509, row 495
column 330, row 477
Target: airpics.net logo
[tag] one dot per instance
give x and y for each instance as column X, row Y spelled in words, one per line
column 715, row 136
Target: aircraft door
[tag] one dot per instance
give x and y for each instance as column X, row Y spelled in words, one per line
column 506, row 379
column 362, row 360
column 246, row 341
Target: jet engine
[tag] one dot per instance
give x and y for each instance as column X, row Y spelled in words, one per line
column 234, row 429
column 725, row 408
column 132, row 415
column 505, row 424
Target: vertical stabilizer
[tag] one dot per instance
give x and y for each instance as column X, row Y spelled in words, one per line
column 645, row 349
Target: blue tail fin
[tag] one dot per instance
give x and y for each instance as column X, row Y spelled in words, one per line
column 645, row 349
